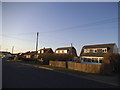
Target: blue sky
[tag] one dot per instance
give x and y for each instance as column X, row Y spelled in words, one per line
column 58, row 24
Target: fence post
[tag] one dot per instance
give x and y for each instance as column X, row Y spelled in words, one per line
column 66, row 64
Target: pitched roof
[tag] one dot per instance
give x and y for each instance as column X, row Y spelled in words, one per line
column 65, row 48
column 109, row 47
column 45, row 49
column 99, row 45
column 4, row 52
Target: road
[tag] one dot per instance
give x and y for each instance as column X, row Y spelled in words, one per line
column 17, row 75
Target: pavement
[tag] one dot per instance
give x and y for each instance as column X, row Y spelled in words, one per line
column 107, row 79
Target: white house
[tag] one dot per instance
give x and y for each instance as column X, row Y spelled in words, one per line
column 95, row 53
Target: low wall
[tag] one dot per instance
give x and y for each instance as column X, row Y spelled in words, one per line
column 90, row 68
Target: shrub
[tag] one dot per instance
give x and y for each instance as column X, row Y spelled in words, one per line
column 47, row 57
column 111, row 63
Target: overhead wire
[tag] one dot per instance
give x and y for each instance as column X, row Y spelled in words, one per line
column 105, row 21
column 3, row 35
column 112, row 20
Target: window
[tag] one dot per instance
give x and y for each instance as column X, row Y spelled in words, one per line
column 36, row 56
column 58, row 51
column 38, row 51
column 27, row 56
column 63, row 51
column 42, row 51
column 92, row 60
column 89, row 60
column 100, row 61
column 95, row 60
column 104, row 50
column 85, row 60
column 86, row 50
column 94, row 50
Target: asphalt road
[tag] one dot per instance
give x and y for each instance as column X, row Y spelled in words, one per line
column 17, row 75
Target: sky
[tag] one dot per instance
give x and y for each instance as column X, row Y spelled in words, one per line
column 59, row 24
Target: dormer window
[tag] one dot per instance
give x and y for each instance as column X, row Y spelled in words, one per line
column 38, row 51
column 58, row 51
column 94, row 50
column 86, row 50
column 42, row 51
column 104, row 50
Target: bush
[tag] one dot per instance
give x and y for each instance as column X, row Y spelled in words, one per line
column 47, row 57
column 115, row 62
column 111, row 63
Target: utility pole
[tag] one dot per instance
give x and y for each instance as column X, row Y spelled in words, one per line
column 12, row 49
column 37, row 44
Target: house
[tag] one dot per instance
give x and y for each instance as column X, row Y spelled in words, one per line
column 27, row 54
column 95, row 53
column 4, row 54
column 66, row 50
column 45, row 50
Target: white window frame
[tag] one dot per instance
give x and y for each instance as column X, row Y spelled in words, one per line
column 98, row 59
column 65, row 51
column 94, row 50
column 57, row 51
column 86, row 50
column 103, row 50
column 42, row 51
column 38, row 51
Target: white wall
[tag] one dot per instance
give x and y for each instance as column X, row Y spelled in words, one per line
column 61, row 51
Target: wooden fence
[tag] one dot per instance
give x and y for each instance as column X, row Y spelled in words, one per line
column 90, row 68
column 58, row 64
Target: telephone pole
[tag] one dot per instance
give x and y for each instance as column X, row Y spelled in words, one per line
column 37, row 44
column 12, row 49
